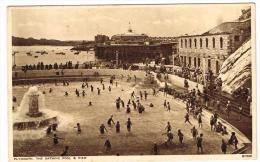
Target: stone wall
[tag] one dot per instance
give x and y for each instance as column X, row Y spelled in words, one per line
column 77, row 72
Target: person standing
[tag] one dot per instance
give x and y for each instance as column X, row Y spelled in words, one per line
column 117, row 127
column 128, row 110
column 91, row 88
column 154, row 92
column 133, row 94
column 194, row 132
column 102, row 129
column 129, row 125
column 56, row 139
column 224, row 147
column 180, row 134
column 141, row 95
column 118, row 100
column 78, row 128
column 168, row 107
column 145, row 95
column 107, row 145
column 233, row 140
column 103, row 86
column 212, row 123
column 168, row 127
column 165, row 104
column 155, row 149
column 228, row 107
column 123, row 103
column 48, row 131
column 110, row 121
column 199, row 143
column 200, row 120
column 187, row 118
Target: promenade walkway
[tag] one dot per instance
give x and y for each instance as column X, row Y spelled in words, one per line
column 244, row 125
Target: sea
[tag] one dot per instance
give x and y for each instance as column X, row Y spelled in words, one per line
column 52, row 55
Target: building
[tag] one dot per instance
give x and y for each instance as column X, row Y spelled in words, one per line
column 210, row 49
column 101, row 38
column 131, row 47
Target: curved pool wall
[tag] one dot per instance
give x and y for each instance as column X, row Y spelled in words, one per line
column 38, row 76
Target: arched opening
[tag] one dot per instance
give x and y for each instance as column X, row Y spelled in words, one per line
column 217, row 67
column 213, row 42
column 221, row 42
column 207, row 42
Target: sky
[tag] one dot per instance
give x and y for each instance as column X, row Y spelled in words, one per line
column 84, row 22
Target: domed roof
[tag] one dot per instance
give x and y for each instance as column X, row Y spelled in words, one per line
column 129, row 33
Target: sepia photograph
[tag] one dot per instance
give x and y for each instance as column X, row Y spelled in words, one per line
column 132, row 80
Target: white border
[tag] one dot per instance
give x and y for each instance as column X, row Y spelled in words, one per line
column 3, row 50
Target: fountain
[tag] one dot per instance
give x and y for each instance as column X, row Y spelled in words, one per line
column 29, row 116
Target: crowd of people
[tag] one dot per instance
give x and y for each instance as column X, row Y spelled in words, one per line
column 243, row 93
column 135, row 103
column 77, row 65
column 192, row 99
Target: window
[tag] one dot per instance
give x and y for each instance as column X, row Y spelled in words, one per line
column 207, row 42
column 185, row 43
column 198, row 62
column 221, row 42
column 190, row 43
column 217, row 67
column 195, row 43
column 209, row 63
column 236, row 38
column 213, row 42
column 181, row 43
column 189, row 61
column 195, row 62
column 200, row 43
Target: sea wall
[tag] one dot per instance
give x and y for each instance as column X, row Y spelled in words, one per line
column 76, row 72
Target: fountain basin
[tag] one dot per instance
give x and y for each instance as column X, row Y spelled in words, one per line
column 34, row 124
column 29, row 116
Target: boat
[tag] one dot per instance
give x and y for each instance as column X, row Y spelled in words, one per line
column 43, row 52
column 38, row 52
column 28, row 53
column 36, row 56
column 60, row 53
column 76, row 53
